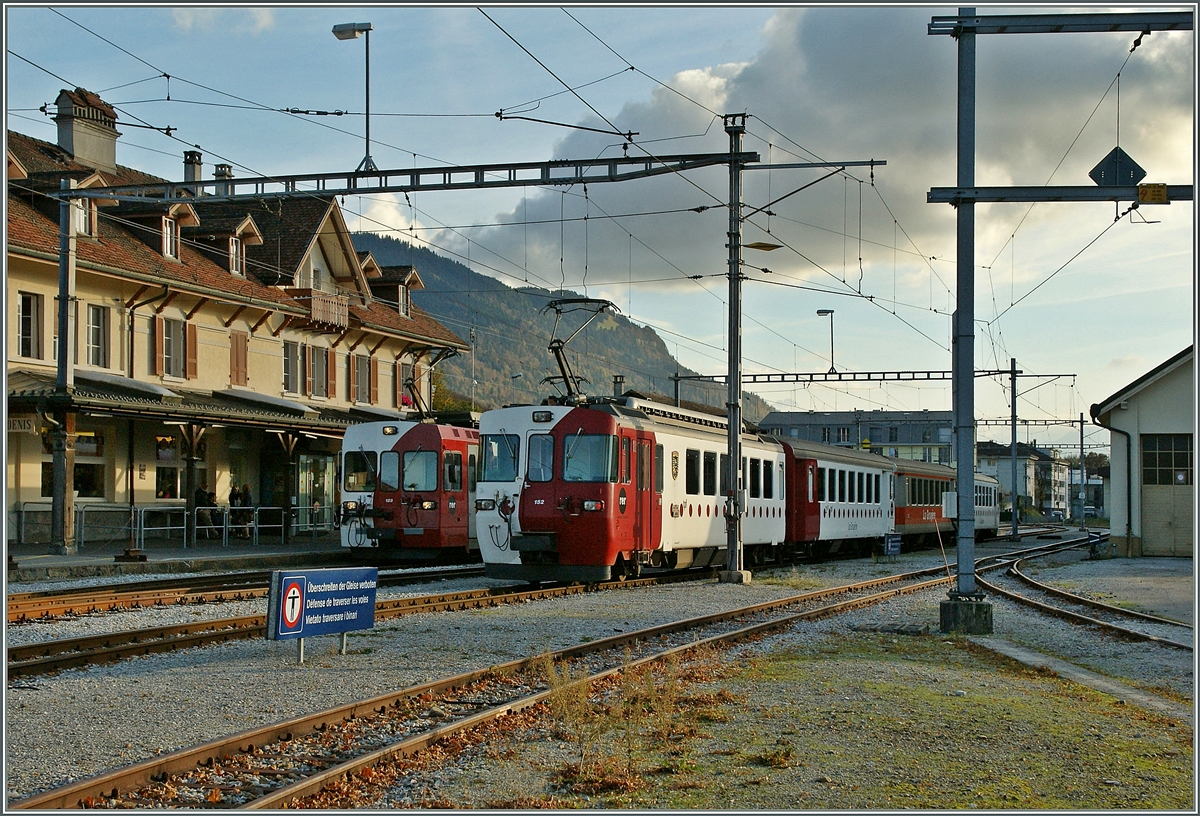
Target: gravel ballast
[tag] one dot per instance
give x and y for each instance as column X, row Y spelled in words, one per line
column 82, row 722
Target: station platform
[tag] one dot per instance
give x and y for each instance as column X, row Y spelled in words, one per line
column 35, row 562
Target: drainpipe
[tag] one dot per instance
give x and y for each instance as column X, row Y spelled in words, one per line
column 1128, row 475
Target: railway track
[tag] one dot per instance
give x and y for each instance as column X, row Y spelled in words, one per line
column 278, row 765
column 1125, row 623
column 29, row 606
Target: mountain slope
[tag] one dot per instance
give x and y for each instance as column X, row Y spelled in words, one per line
column 512, row 330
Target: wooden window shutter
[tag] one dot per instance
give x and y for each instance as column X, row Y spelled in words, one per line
column 398, row 383
column 374, row 380
column 308, row 370
column 159, row 332
column 239, row 343
column 192, row 351
column 330, row 374
column 351, row 377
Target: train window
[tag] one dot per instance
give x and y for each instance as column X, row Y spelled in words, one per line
column 870, row 495
column 626, row 453
column 658, row 468
column 841, row 485
column 861, row 498
column 724, row 474
column 420, row 470
column 755, row 480
column 472, row 471
column 452, row 471
column 768, row 480
column 500, row 453
column 820, row 484
column 692, row 472
column 878, row 497
column 590, row 458
column 710, row 473
column 389, row 471
column 832, row 488
column 541, row 457
column 359, row 468
column 850, row 490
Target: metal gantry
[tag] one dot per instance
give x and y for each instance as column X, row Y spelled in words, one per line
column 964, row 27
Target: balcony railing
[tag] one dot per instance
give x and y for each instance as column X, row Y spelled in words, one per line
column 325, row 308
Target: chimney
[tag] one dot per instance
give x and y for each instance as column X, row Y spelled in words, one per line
column 87, row 129
column 193, row 165
column 223, row 172
column 618, row 385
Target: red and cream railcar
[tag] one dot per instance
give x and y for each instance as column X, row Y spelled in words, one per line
column 838, row 498
column 408, row 490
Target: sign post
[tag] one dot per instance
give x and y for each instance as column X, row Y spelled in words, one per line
column 307, row 603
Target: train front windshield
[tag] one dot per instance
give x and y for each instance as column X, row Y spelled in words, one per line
column 359, row 468
column 500, row 453
column 590, row 458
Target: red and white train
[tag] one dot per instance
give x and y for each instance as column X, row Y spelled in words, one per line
column 607, row 488
column 408, row 491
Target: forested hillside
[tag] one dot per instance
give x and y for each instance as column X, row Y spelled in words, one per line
column 512, row 334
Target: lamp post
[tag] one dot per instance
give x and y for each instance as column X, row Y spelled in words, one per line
column 350, row 31
column 822, row 313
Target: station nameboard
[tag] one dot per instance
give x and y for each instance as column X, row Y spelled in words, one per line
column 307, row 603
column 891, row 544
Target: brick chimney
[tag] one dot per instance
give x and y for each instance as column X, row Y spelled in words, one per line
column 193, row 165
column 87, row 129
column 223, row 172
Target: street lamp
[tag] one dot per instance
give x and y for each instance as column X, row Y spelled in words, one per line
column 350, row 31
column 822, row 313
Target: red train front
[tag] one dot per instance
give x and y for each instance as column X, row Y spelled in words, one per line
column 408, row 490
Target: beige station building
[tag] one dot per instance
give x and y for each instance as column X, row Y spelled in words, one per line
column 237, row 339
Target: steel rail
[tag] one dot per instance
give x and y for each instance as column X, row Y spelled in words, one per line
column 1082, row 601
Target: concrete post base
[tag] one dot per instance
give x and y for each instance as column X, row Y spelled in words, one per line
column 63, row 549
column 966, row 617
column 131, row 556
column 734, row 577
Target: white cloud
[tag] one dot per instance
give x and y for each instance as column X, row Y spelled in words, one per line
column 252, row 20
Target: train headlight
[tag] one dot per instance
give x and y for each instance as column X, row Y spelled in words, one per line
column 543, row 416
column 350, row 506
column 593, row 506
column 485, row 504
column 429, row 505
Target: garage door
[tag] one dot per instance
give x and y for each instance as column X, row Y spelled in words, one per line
column 1167, row 521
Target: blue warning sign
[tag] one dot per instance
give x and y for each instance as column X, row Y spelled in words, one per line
column 308, row 603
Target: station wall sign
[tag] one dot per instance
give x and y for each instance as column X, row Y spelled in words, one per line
column 307, row 603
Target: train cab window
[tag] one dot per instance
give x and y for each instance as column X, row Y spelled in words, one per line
column 452, row 471
column 658, row 468
column 420, row 470
column 541, row 457
column 359, row 469
column 820, row 484
column 692, row 472
column 500, row 454
column 861, row 496
column 710, row 473
column 755, row 479
column 768, row 480
column 590, row 458
column 841, row 485
column 389, row 471
column 626, row 455
column 472, row 471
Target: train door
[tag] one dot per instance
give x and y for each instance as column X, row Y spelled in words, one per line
column 472, row 478
column 644, row 515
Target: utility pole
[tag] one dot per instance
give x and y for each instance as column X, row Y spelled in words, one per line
column 735, row 126
column 1013, row 374
column 1082, row 480
column 62, row 436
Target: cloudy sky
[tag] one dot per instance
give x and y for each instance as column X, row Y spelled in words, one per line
column 1063, row 288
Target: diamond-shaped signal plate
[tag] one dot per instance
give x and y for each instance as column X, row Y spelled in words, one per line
column 1117, row 170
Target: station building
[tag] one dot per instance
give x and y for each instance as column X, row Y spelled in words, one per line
column 1042, row 477
column 232, row 342
column 923, row 436
column 1152, row 497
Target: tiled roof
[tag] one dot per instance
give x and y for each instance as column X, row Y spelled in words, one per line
column 83, row 98
column 130, row 249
